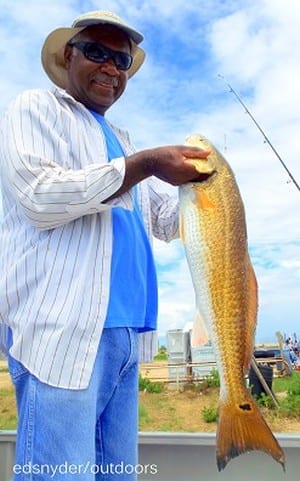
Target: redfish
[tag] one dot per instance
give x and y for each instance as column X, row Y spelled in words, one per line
column 214, row 234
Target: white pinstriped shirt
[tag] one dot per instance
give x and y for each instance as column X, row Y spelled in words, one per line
column 56, row 234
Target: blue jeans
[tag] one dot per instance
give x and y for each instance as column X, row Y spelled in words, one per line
column 81, row 435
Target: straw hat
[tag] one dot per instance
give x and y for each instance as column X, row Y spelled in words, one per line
column 54, row 45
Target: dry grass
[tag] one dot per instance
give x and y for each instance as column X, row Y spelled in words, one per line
column 8, row 418
column 182, row 412
column 171, row 410
column 176, row 411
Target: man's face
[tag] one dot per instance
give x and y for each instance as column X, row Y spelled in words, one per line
column 96, row 85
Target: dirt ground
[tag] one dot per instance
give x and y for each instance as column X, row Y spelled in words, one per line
column 173, row 410
column 186, row 407
column 5, row 381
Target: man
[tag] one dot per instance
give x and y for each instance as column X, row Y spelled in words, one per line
column 78, row 277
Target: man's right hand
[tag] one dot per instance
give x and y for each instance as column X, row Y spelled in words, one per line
column 167, row 163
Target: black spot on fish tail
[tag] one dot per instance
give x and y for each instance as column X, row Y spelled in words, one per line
column 222, row 462
column 241, row 428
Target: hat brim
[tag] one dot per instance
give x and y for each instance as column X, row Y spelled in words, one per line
column 53, row 59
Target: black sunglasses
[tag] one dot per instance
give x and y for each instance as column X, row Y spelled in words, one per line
column 96, row 52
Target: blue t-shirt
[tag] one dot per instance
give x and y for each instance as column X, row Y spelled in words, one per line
column 133, row 286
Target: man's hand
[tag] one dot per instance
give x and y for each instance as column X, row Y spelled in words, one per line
column 167, row 163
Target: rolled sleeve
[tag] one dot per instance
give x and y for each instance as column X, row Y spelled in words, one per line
column 40, row 165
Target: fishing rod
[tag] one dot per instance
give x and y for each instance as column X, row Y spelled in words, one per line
column 261, row 130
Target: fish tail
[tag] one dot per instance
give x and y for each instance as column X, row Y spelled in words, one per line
column 241, row 428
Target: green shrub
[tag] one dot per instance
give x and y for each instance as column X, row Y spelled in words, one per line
column 283, row 384
column 265, row 401
column 146, row 385
column 290, row 407
column 210, row 414
column 213, row 379
column 294, row 387
column 162, row 354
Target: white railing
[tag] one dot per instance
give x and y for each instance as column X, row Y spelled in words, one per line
column 189, row 457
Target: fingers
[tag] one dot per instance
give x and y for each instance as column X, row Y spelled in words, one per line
column 170, row 163
column 195, row 152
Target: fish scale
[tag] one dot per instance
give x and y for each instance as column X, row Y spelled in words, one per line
column 214, row 234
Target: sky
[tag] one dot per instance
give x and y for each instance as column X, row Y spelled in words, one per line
column 190, row 45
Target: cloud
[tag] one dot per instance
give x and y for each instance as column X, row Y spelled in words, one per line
column 256, row 45
column 277, row 268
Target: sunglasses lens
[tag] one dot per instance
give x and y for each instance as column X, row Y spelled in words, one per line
column 96, row 52
column 100, row 54
column 123, row 60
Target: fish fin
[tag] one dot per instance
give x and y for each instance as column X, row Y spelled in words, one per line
column 202, row 200
column 241, row 428
column 252, row 314
column 199, row 335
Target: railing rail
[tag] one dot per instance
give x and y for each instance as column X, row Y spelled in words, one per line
column 189, row 456
column 185, row 371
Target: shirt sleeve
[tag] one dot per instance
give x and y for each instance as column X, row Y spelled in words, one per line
column 164, row 211
column 37, row 152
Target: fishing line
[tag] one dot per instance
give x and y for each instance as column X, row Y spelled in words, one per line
column 261, row 130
